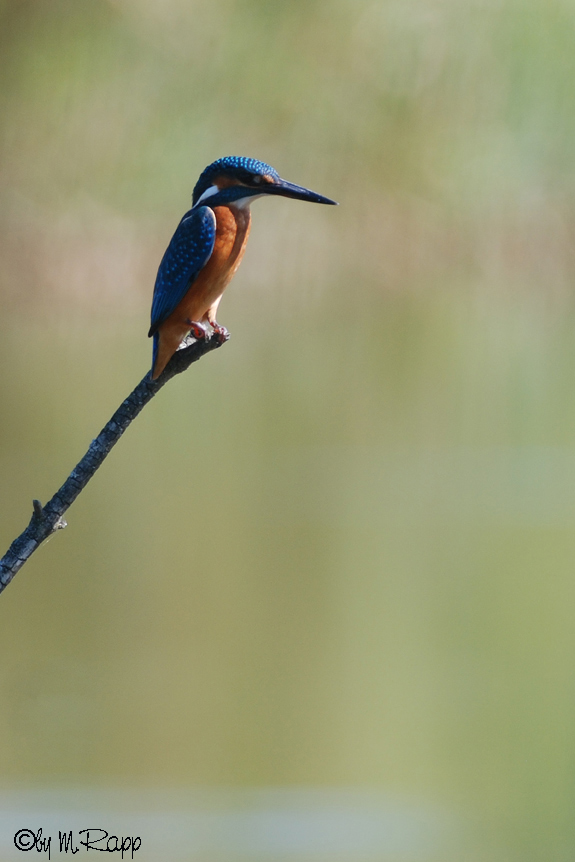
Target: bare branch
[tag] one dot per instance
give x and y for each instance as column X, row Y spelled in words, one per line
column 47, row 519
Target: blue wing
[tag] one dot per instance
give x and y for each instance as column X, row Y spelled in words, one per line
column 188, row 252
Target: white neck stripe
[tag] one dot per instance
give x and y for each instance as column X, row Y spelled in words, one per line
column 213, row 190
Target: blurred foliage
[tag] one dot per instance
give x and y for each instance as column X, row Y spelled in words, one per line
column 340, row 551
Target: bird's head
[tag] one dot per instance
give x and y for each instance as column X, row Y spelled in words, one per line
column 237, row 180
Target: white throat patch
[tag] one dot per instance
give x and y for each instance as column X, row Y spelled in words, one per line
column 242, row 203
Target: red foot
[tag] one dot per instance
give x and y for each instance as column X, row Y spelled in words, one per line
column 221, row 332
column 199, row 332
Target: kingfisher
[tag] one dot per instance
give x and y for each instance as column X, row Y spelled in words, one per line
column 206, row 250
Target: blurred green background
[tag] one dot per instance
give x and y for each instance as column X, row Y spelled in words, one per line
column 338, row 553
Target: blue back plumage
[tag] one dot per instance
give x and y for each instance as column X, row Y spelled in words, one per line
column 188, row 252
column 234, row 166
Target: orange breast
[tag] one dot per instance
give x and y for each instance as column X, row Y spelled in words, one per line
column 232, row 231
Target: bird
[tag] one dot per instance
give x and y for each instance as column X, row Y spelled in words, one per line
column 206, row 249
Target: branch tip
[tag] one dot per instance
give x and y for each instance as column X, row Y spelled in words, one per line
column 46, row 521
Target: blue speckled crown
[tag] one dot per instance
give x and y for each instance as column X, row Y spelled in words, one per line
column 234, row 166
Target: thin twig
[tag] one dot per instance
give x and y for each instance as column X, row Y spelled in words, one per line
column 47, row 519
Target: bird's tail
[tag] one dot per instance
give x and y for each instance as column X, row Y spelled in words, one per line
column 155, row 350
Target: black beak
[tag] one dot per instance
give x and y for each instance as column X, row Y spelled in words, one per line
column 290, row 190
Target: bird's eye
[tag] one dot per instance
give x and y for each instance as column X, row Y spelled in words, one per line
column 256, row 179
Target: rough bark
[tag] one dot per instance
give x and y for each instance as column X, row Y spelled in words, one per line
column 47, row 519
